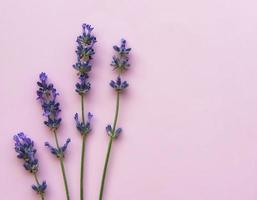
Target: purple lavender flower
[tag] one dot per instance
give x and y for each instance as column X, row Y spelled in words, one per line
column 47, row 96
column 58, row 152
column 24, row 146
column 83, row 128
column 86, row 39
column 39, row 188
column 111, row 132
column 85, row 52
column 82, row 67
column 84, row 86
column 25, row 149
column 120, row 60
column 119, row 85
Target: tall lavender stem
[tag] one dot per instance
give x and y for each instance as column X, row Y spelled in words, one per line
column 85, row 52
column 120, row 63
column 82, row 152
column 47, row 95
column 109, row 146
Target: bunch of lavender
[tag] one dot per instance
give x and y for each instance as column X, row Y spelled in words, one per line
column 26, row 151
column 120, row 64
column 47, row 95
column 85, row 52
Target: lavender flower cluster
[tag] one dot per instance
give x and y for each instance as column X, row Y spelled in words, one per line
column 85, row 51
column 83, row 128
column 26, row 151
column 113, row 133
column 58, row 152
column 40, row 188
column 47, row 96
column 24, row 147
column 120, row 62
column 119, row 85
column 51, row 108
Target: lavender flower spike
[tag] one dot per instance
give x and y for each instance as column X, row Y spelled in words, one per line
column 120, row 61
column 26, row 151
column 47, row 96
column 85, row 51
column 24, row 146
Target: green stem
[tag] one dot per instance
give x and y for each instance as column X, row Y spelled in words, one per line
column 82, row 168
column 105, row 168
column 116, row 111
column 82, row 153
column 63, row 168
column 41, row 194
column 110, row 146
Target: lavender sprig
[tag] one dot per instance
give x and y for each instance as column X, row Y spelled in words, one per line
column 85, row 51
column 47, row 95
column 120, row 63
column 26, row 151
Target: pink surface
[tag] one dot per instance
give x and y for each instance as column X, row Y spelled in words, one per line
column 189, row 116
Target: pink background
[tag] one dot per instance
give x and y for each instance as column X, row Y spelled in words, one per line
column 189, row 116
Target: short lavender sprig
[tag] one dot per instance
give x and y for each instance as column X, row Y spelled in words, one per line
column 120, row 63
column 26, row 151
column 47, row 95
column 85, row 51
